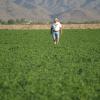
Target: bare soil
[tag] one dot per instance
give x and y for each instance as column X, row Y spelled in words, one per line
column 38, row 26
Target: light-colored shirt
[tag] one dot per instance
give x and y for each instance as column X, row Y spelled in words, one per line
column 56, row 26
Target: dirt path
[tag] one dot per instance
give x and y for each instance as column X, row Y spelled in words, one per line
column 65, row 26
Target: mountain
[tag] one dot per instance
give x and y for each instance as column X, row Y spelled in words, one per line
column 45, row 10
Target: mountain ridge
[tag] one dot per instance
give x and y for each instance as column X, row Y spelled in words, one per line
column 46, row 10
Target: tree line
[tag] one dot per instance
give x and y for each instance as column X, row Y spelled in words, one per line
column 30, row 21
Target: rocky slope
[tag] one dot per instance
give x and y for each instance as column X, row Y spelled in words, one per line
column 45, row 10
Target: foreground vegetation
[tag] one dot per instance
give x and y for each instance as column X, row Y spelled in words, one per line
column 33, row 68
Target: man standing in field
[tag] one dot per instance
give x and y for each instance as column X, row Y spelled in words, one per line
column 56, row 30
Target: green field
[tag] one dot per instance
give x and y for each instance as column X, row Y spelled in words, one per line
column 33, row 68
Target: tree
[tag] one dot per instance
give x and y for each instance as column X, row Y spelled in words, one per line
column 11, row 21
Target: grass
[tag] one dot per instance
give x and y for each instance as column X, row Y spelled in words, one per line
column 33, row 68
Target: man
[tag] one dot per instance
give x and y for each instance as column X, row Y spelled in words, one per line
column 56, row 30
